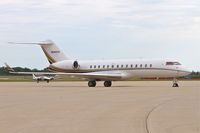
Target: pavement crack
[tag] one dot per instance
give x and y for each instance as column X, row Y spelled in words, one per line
column 152, row 110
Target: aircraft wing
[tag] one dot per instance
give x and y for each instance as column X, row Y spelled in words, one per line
column 90, row 76
column 95, row 76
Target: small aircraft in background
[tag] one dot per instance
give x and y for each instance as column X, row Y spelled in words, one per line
column 37, row 78
column 42, row 78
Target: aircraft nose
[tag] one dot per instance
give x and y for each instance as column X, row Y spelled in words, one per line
column 188, row 72
column 185, row 72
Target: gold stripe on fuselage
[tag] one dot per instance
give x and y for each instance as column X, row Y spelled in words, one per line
column 100, row 70
column 48, row 56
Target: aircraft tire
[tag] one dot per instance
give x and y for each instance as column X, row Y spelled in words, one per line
column 92, row 83
column 175, row 85
column 107, row 83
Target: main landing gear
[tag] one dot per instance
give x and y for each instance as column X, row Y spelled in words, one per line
column 93, row 83
column 175, row 82
column 107, row 83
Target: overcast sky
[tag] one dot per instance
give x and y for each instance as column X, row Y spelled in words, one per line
column 101, row 29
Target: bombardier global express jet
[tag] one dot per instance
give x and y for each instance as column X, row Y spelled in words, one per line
column 106, row 70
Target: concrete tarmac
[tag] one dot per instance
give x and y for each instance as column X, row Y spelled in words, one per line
column 127, row 107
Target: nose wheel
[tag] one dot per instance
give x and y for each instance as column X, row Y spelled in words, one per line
column 175, row 82
column 92, row 83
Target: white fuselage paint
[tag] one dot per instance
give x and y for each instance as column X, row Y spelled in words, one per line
column 135, row 69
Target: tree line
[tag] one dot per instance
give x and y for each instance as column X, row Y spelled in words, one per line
column 195, row 73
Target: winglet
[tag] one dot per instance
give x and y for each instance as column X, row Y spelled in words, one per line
column 34, row 77
column 10, row 69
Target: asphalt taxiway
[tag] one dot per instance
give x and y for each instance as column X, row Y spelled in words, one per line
column 127, row 107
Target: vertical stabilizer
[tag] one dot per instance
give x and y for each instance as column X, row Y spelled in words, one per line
column 52, row 52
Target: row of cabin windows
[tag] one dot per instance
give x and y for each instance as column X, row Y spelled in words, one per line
column 121, row 66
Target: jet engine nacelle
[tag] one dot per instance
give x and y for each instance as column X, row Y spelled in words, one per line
column 66, row 64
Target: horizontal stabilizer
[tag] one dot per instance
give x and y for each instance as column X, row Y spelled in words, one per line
column 50, row 49
column 48, row 42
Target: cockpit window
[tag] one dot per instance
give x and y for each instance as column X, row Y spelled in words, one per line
column 172, row 63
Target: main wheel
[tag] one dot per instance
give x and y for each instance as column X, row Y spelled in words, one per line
column 107, row 83
column 92, row 83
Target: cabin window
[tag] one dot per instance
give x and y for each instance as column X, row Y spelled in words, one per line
column 131, row 65
column 122, row 66
column 136, row 66
column 103, row 66
column 91, row 66
column 141, row 65
column 113, row 66
column 117, row 66
column 151, row 65
column 107, row 66
column 95, row 66
column 146, row 65
column 126, row 66
column 99, row 66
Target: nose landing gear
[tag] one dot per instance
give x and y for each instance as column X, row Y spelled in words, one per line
column 175, row 82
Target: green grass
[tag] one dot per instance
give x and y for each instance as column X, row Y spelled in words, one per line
column 15, row 78
column 29, row 79
column 65, row 79
column 195, row 76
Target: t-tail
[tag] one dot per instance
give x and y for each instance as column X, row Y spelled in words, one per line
column 51, row 51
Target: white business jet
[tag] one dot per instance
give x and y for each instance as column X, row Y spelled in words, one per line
column 107, row 70
column 42, row 78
